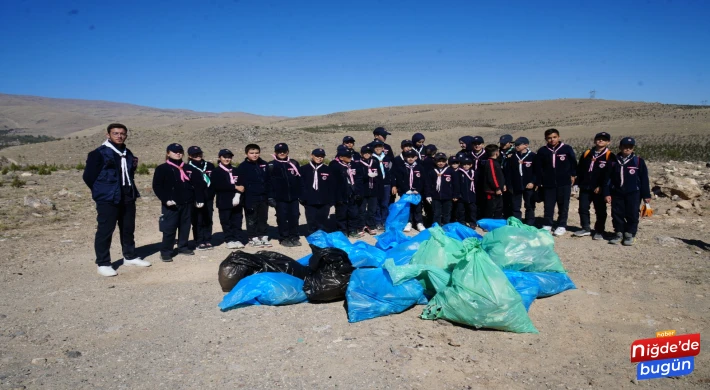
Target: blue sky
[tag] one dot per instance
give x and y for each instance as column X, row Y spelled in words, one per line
column 316, row 57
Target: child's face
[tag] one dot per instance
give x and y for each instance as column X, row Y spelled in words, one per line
column 441, row 163
column 553, row 139
column 253, row 154
column 521, row 147
column 626, row 150
column 225, row 160
column 467, row 167
column 420, row 143
column 196, row 157
column 349, row 145
column 462, row 144
column 345, row 159
column 406, row 148
column 282, row 154
column 601, row 143
column 379, row 149
column 506, row 145
column 411, row 160
column 366, row 155
column 477, row 147
column 455, row 165
column 317, row 159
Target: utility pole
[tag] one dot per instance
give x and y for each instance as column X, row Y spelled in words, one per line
column 593, row 94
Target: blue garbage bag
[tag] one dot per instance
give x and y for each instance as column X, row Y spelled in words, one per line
column 533, row 285
column 460, row 232
column 403, row 252
column 268, row 288
column 371, row 294
column 489, row 224
column 528, row 288
column 396, row 220
column 305, row 260
column 361, row 254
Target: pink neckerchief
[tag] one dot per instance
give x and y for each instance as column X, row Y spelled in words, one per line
column 315, row 175
column 623, row 161
column 411, row 173
column 371, row 184
column 595, row 157
column 477, row 157
column 287, row 161
column 470, row 177
column 183, row 175
column 520, row 162
column 438, row 178
column 554, row 152
column 350, row 171
column 231, row 178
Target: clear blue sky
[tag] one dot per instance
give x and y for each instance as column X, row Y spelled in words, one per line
column 316, row 57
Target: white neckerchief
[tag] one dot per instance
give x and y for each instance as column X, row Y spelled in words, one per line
column 411, row 172
column 315, row 175
column 477, row 157
column 554, row 152
column 124, row 166
column 287, row 161
column 470, row 177
column 420, row 151
column 371, row 184
column 438, row 178
column 382, row 166
column 520, row 161
column 623, row 161
column 595, row 157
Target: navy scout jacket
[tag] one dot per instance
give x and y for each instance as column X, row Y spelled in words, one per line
column 203, row 192
column 168, row 184
column 371, row 186
column 286, row 183
column 257, row 184
column 403, row 174
column 446, row 188
column 223, row 180
column 519, row 171
column 467, row 182
column 347, row 183
column 594, row 168
column 628, row 175
column 102, row 175
column 555, row 167
column 317, row 184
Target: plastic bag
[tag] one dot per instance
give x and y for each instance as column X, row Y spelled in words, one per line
column 371, row 294
column 520, row 247
column 489, row 225
column 239, row 265
column 433, row 279
column 331, row 270
column 527, row 288
column 403, row 252
column 480, row 295
column 361, row 254
column 549, row 283
column 268, row 288
column 460, row 232
column 396, row 220
column 440, row 250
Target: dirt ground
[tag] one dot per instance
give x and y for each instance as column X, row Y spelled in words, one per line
column 64, row 326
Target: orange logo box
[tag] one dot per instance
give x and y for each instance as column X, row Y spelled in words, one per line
column 665, row 333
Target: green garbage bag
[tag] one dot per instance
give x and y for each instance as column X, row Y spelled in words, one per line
column 480, row 295
column 432, row 278
column 440, row 250
column 521, row 247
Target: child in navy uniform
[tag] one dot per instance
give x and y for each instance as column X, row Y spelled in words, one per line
column 349, row 142
column 254, row 182
column 406, row 145
column 418, row 146
column 203, row 211
column 409, row 179
column 428, row 164
column 441, row 190
column 317, row 191
column 520, row 179
column 286, row 185
column 628, row 184
column 478, row 156
column 593, row 172
column 555, row 170
column 347, row 193
column 380, row 134
column 384, row 161
column 371, row 188
column 466, row 210
column 176, row 192
column 454, row 164
column 493, row 183
column 229, row 200
column 506, row 149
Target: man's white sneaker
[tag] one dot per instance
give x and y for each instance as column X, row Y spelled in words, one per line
column 560, row 231
column 420, row 227
column 238, row 245
column 231, row 245
column 107, row 270
column 138, row 262
column 408, row 227
column 548, row 228
column 265, row 242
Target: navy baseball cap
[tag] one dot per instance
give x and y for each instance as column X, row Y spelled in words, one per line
column 603, row 135
column 453, row 160
column 366, row 149
column 440, row 156
column 377, row 143
column 627, row 141
column 409, row 153
column 281, row 147
column 466, row 160
column 381, row 131
column 477, row 140
column 406, row 142
column 348, row 139
column 343, row 151
column 192, row 150
column 175, row 148
column 522, row 140
column 318, row 152
column 225, row 152
column 504, row 139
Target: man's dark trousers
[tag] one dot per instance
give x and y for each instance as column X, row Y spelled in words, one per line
column 108, row 214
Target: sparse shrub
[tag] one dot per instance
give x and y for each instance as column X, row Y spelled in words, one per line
column 5, row 170
column 14, row 167
column 142, row 169
column 44, row 170
column 80, row 166
column 17, row 183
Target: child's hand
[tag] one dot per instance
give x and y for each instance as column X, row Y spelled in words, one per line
column 596, row 190
column 394, row 190
column 455, row 199
column 607, row 199
column 529, row 186
column 499, row 192
column 239, row 188
column 647, row 200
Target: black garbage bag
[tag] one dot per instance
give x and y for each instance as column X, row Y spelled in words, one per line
column 239, row 265
column 330, row 274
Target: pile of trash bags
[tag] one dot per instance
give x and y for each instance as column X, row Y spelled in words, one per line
column 485, row 281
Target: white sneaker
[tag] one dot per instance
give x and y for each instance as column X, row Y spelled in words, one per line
column 420, row 227
column 231, row 245
column 138, row 262
column 238, row 245
column 408, row 227
column 265, row 242
column 560, row 231
column 256, row 242
column 548, row 228
column 107, row 270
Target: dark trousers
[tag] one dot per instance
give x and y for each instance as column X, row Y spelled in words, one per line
column 428, row 213
column 231, row 221
column 441, row 211
column 287, row 214
column 108, row 215
column 454, row 211
column 585, row 198
column 415, row 213
column 383, row 204
column 368, row 209
column 466, row 212
column 525, row 198
column 202, row 222
column 347, row 216
column 494, row 206
column 316, row 217
column 257, row 217
column 175, row 221
column 625, row 212
column 557, row 196
column 507, row 205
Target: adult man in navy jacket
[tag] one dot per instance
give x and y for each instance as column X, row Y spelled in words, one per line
column 109, row 174
column 555, row 170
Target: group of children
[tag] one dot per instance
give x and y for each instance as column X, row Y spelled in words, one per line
column 493, row 181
